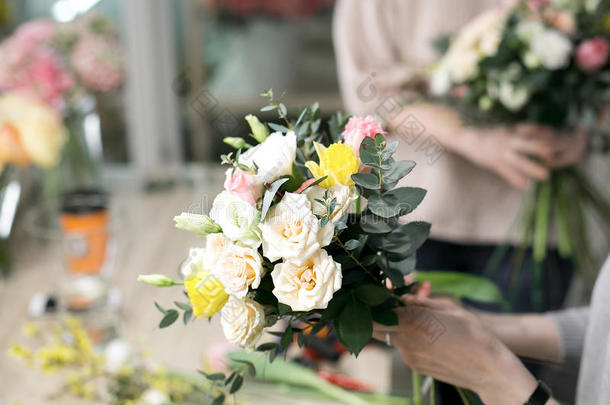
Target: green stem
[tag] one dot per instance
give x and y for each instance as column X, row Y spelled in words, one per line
column 417, row 395
column 351, row 256
column 433, row 393
column 543, row 211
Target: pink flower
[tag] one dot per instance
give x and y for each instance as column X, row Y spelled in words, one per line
column 358, row 128
column 98, row 62
column 592, row 54
column 244, row 185
column 48, row 80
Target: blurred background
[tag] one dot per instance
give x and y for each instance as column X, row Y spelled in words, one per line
column 146, row 91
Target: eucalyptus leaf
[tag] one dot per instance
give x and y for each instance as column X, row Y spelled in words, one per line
column 270, row 195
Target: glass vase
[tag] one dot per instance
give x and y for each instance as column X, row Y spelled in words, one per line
column 80, row 163
column 10, row 194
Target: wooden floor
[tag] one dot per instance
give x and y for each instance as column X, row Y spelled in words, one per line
column 148, row 243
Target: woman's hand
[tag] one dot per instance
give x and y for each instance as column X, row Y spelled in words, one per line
column 442, row 340
column 517, row 155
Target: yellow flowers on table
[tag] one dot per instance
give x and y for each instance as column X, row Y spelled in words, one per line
column 30, row 132
column 337, row 161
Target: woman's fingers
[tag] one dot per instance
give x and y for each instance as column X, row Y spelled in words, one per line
column 541, row 149
column 527, row 166
column 512, row 176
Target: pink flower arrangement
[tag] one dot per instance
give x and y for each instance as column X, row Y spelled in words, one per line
column 358, row 128
column 98, row 63
column 34, row 61
column 592, row 54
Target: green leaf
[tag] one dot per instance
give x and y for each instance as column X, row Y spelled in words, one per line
column 352, row 244
column 398, row 170
column 354, row 326
column 277, row 127
column 250, row 366
column 237, row 383
column 270, row 195
column 186, row 317
column 406, row 199
column 405, row 239
column 265, row 347
column 366, row 180
column 183, row 306
column 371, row 223
column 382, row 208
column 283, row 309
column 286, row 337
column 219, row 400
column 335, row 306
column 268, row 108
column 386, row 316
column 461, row 285
column 230, row 378
column 372, row 294
column 170, row 317
column 213, row 376
column 160, row 308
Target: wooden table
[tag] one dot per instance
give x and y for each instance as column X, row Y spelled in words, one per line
column 148, row 243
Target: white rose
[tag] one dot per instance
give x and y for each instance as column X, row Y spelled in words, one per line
column 274, row 157
column 308, row 286
column 193, row 264
column 552, row 48
column 345, row 200
column 237, row 267
column 513, row 97
column 463, row 64
column 242, row 321
column 237, row 218
column 292, row 232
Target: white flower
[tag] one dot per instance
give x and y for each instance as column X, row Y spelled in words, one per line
column 292, row 232
column 237, row 218
column 242, row 321
column 193, row 264
column 440, row 81
column 273, row 158
column 308, row 286
column 153, row 397
column 345, row 198
column 552, row 48
column 528, row 29
column 237, row 267
column 117, row 353
column 513, row 97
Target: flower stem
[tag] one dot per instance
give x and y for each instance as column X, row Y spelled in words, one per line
column 417, row 395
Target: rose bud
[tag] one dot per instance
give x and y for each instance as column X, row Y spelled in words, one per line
column 592, row 54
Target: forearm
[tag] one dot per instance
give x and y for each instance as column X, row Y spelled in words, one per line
column 533, row 336
column 508, row 382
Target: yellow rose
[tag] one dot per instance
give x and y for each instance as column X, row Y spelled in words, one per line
column 338, row 162
column 30, row 132
column 206, row 292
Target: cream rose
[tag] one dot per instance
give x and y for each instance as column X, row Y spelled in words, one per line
column 237, row 218
column 552, row 48
column 292, row 232
column 345, row 200
column 237, row 267
column 242, row 321
column 307, row 286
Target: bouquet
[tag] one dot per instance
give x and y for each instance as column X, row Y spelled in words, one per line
column 59, row 62
column 305, row 235
column 544, row 62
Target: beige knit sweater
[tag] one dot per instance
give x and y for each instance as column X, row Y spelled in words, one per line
column 381, row 45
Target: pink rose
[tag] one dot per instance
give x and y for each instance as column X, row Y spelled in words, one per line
column 48, row 80
column 358, row 128
column 242, row 183
column 592, row 54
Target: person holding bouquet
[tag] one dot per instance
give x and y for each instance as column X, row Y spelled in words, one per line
column 476, row 177
column 477, row 350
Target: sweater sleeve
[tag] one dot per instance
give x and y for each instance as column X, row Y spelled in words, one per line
column 369, row 68
column 572, row 326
